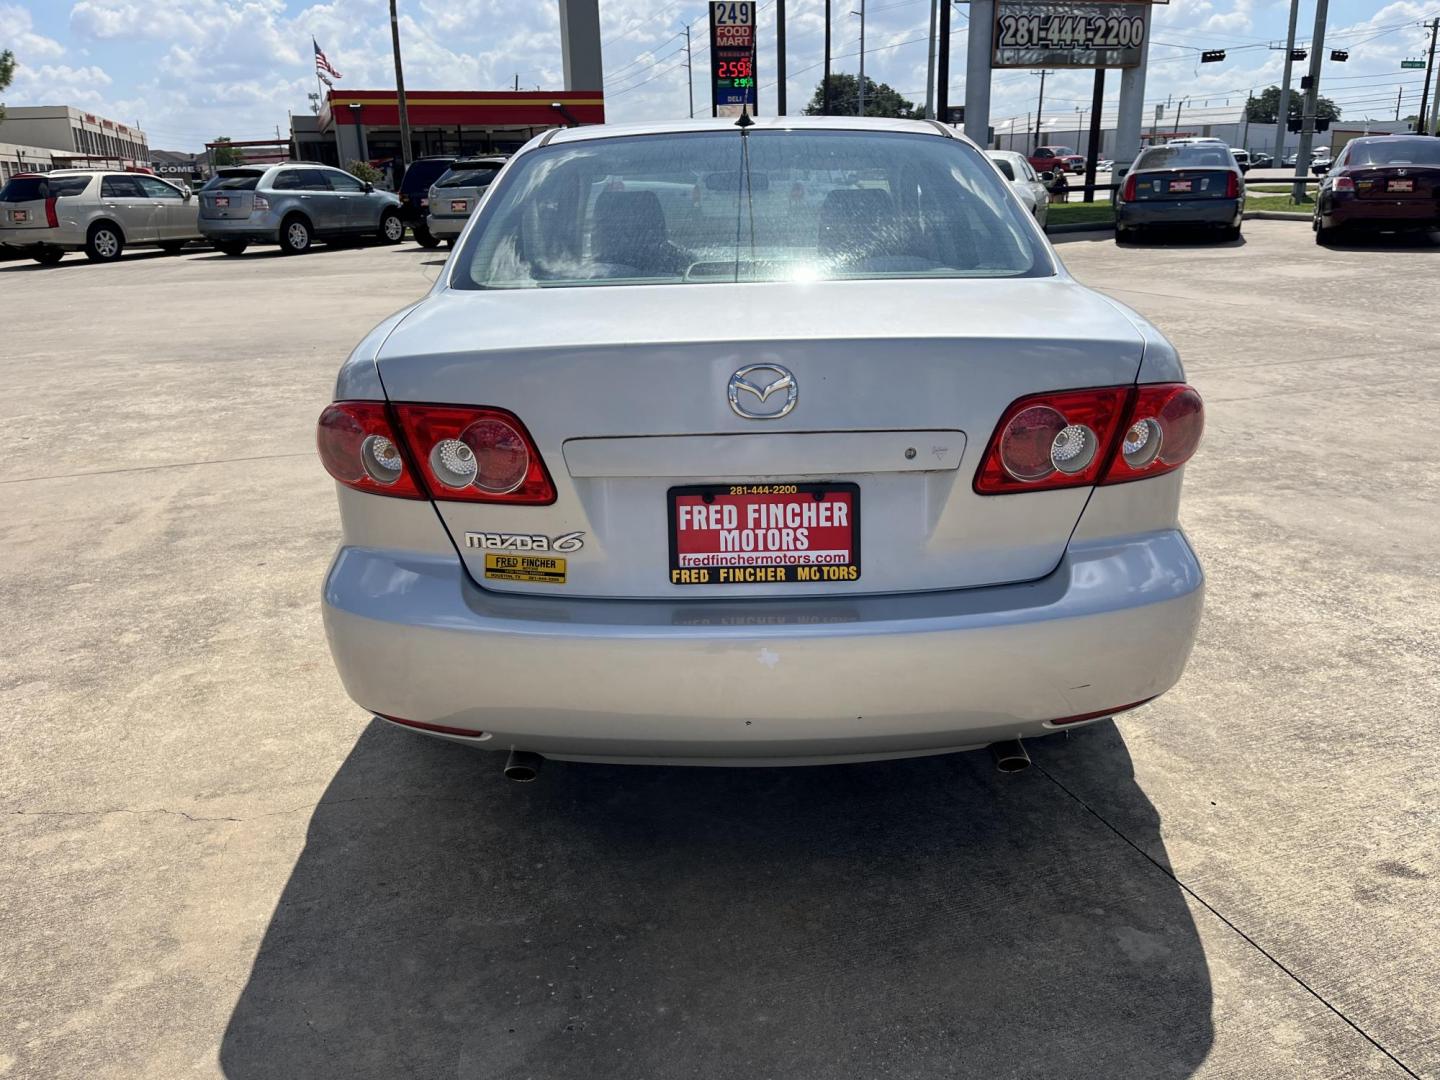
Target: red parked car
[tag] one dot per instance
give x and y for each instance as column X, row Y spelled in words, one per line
column 1056, row 159
column 1381, row 182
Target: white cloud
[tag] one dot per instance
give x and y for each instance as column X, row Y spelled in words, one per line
column 20, row 37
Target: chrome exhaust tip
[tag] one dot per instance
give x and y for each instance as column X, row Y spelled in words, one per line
column 522, row 766
column 1010, row 756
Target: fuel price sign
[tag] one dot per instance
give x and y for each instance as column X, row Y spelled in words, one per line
column 732, row 57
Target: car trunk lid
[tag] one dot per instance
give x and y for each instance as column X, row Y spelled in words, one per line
column 231, row 194
column 1192, row 183
column 31, row 201
column 1397, row 183
column 900, row 385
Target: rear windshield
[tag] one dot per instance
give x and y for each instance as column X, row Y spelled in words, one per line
column 1005, row 167
column 716, row 206
column 27, row 188
column 473, row 176
column 420, row 175
column 1396, row 152
column 234, row 180
column 1185, row 157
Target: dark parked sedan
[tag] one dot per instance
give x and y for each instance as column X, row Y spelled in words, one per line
column 1192, row 185
column 1383, row 182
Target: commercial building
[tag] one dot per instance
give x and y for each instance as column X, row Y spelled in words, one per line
column 364, row 125
column 70, row 137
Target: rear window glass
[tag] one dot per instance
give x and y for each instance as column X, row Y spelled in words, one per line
column 26, row 188
column 421, row 174
column 1185, row 157
column 477, row 176
column 769, row 206
column 234, row 180
column 1005, row 167
column 1396, row 152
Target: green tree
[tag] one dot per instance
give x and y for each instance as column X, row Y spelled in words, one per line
column 7, row 72
column 880, row 99
column 227, row 154
column 363, row 170
column 1265, row 108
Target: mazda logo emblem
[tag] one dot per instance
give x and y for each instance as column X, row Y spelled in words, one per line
column 763, row 382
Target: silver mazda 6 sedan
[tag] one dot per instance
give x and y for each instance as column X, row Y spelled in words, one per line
column 783, row 444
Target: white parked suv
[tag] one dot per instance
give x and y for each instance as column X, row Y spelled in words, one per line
column 99, row 212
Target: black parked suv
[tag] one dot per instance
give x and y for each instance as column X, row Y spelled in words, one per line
column 415, row 195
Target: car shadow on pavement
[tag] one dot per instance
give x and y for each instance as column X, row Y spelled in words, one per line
column 918, row 918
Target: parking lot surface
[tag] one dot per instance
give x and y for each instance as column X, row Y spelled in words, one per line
column 213, row 864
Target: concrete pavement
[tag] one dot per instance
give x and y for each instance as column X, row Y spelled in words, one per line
column 213, row 864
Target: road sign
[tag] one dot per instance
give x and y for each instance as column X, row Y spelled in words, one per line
column 1412, row 64
column 732, row 57
column 1056, row 34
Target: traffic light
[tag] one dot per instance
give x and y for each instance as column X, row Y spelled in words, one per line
column 1212, row 56
column 1339, row 55
column 1305, row 82
column 1293, row 124
column 1299, row 54
column 1322, row 124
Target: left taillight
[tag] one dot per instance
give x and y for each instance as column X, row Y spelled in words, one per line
column 360, row 448
column 52, row 219
column 475, row 454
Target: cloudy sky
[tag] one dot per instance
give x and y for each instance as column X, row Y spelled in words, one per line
column 189, row 71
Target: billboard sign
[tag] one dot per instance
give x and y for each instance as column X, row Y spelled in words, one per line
column 1046, row 34
column 732, row 57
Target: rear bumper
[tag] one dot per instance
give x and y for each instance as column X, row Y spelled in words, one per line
column 31, row 241
column 1383, row 213
column 1180, row 212
column 447, row 228
column 255, row 229
column 763, row 681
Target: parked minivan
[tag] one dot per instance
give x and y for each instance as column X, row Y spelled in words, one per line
column 293, row 205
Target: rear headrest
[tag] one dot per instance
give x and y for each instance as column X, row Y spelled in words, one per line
column 856, row 221
column 627, row 222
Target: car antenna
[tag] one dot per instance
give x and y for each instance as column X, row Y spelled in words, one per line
column 744, row 122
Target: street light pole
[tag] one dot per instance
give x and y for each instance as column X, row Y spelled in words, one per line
column 1282, row 116
column 1307, row 121
column 690, row 73
column 861, row 13
column 930, row 66
column 779, row 59
column 400, row 89
column 826, row 103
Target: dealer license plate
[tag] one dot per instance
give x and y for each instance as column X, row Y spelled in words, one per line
column 222, row 200
column 1182, row 185
column 1400, row 185
column 761, row 534
column 457, row 206
column 20, row 216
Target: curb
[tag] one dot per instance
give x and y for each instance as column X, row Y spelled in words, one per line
column 1080, row 226
column 1274, row 215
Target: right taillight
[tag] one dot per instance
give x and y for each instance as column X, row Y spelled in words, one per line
column 52, row 219
column 1078, row 438
column 1344, row 183
column 1232, row 185
column 1161, row 433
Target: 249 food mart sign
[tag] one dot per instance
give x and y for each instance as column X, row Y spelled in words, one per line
column 1046, row 34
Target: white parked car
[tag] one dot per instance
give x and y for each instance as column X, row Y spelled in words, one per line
column 1024, row 181
column 99, row 212
column 763, row 474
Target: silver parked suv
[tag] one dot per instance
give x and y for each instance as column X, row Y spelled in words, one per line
column 293, row 205
column 456, row 194
column 44, row 215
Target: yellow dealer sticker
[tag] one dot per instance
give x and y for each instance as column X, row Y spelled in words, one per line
column 546, row 569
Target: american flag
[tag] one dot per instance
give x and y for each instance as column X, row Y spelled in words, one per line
column 323, row 67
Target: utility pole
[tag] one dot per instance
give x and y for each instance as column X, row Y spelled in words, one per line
column 1400, row 93
column 942, row 68
column 1420, row 119
column 861, row 13
column 1282, row 117
column 517, row 82
column 930, row 66
column 690, row 73
column 1307, row 119
column 1179, row 105
column 1434, row 127
column 779, row 59
column 827, row 59
column 1040, row 107
column 400, row 91
column 1097, row 102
